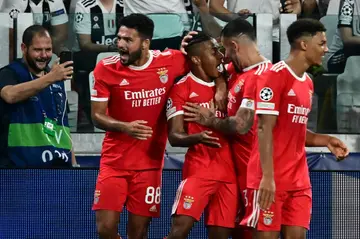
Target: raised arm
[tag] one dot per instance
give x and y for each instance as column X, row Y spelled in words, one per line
column 19, row 92
column 218, row 10
column 208, row 22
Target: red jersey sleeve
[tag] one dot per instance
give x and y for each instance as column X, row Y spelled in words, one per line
column 249, row 96
column 100, row 91
column 177, row 98
column 269, row 89
column 180, row 61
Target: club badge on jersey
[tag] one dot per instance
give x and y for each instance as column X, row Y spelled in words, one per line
column 239, row 86
column 268, row 217
column 188, row 202
column 96, row 196
column 163, row 76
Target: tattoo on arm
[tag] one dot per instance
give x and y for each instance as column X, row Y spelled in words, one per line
column 240, row 124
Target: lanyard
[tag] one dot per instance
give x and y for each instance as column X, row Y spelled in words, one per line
column 41, row 106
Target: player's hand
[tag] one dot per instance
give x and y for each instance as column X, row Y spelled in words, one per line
column 266, row 192
column 186, row 40
column 244, row 12
column 290, row 6
column 338, row 148
column 208, row 140
column 138, row 129
column 62, row 71
column 201, row 115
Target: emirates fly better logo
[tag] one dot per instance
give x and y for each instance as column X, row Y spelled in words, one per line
column 145, row 98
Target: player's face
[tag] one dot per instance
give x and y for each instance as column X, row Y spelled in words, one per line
column 39, row 53
column 130, row 45
column 316, row 48
column 210, row 59
column 231, row 52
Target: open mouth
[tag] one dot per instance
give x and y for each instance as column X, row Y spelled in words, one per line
column 41, row 63
column 220, row 67
column 124, row 55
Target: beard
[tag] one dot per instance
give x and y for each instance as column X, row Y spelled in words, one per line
column 127, row 58
column 33, row 63
column 236, row 64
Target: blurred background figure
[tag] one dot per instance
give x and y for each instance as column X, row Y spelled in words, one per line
column 172, row 13
column 242, row 8
column 49, row 13
column 95, row 24
column 346, row 41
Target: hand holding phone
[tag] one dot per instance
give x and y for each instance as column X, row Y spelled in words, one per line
column 63, row 70
column 66, row 56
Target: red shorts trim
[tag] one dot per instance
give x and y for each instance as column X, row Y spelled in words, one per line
column 219, row 201
column 291, row 208
column 243, row 202
column 141, row 190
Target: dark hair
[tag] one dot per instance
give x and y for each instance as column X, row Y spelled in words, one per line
column 31, row 32
column 303, row 27
column 239, row 26
column 141, row 23
column 193, row 45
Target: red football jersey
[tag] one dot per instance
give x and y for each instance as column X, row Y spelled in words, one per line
column 201, row 161
column 243, row 94
column 280, row 92
column 137, row 93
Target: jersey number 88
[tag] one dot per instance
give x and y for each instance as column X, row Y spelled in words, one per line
column 152, row 195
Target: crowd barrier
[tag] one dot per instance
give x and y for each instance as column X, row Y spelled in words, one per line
column 56, row 204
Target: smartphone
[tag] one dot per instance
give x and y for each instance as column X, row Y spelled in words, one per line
column 283, row 5
column 66, row 56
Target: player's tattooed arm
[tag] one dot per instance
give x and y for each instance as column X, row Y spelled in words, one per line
column 179, row 138
column 136, row 129
column 335, row 145
column 265, row 136
column 238, row 124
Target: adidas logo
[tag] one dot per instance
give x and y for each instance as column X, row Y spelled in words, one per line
column 193, row 94
column 124, row 82
column 153, row 209
column 291, row 93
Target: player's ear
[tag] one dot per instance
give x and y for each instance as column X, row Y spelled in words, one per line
column 303, row 44
column 23, row 48
column 235, row 45
column 196, row 60
column 146, row 44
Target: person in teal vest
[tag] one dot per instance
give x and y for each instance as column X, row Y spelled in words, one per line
column 34, row 130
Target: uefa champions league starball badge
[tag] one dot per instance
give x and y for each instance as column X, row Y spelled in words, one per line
column 266, row 94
